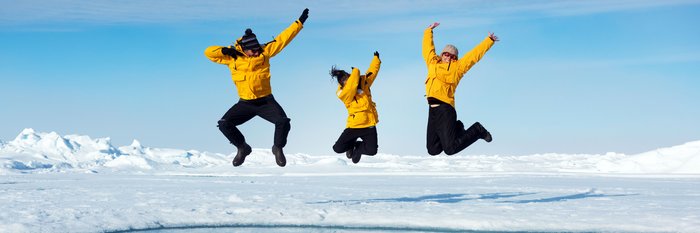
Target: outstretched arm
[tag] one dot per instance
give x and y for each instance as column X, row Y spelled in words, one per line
column 471, row 58
column 428, row 46
column 350, row 88
column 282, row 40
column 373, row 69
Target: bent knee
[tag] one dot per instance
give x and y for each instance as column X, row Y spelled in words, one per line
column 434, row 152
column 222, row 123
column 451, row 151
column 283, row 121
column 371, row 152
column 338, row 148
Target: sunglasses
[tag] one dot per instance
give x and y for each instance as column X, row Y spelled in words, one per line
column 449, row 55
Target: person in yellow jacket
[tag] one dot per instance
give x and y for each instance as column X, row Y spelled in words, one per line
column 354, row 91
column 445, row 132
column 249, row 63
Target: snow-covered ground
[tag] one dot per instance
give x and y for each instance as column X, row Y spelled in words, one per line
column 72, row 183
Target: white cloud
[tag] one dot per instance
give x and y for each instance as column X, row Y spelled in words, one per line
column 573, row 7
column 606, row 62
column 137, row 11
column 132, row 11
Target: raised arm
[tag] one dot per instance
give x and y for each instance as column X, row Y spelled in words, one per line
column 282, row 40
column 471, row 58
column 216, row 54
column 373, row 70
column 428, row 45
column 350, row 88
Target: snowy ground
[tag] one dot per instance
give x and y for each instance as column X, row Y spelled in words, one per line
column 53, row 183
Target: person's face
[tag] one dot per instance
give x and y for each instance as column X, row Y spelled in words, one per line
column 251, row 53
column 448, row 57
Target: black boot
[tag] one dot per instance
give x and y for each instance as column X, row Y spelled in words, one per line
column 484, row 133
column 357, row 153
column 350, row 152
column 241, row 154
column 279, row 156
column 356, row 157
column 487, row 136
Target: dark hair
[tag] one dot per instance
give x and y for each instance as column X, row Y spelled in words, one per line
column 339, row 75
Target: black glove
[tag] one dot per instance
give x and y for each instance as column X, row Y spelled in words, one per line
column 376, row 54
column 304, row 16
column 228, row 51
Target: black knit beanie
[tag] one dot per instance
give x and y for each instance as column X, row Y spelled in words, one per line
column 249, row 41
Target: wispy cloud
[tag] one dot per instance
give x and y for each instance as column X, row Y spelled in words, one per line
column 125, row 11
column 569, row 8
column 569, row 64
column 171, row 11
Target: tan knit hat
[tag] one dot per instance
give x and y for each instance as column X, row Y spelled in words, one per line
column 451, row 49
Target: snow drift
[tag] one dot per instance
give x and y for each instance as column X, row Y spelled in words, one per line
column 37, row 152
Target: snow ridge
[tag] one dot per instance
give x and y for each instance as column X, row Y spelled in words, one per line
column 47, row 152
column 38, row 152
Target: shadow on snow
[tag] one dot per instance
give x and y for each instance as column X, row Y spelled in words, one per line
column 460, row 197
column 589, row 194
column 439, row 198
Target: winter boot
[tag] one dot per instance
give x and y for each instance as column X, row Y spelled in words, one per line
column 350, row 152
column 484, row 133
column 487, row 136
column 279, row 156
column 357, row 153
column 356, row 157
column 241, row 154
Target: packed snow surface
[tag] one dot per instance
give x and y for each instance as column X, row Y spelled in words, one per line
column 73, row 183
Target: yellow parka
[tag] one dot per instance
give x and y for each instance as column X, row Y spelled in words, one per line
column 252, row 74
column 443, row 78
column 362, row 111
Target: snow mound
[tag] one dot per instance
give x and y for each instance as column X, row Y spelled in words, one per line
column 32, row 152
column 678, row 159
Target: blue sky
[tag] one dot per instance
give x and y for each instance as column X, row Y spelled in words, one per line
column 566, row 77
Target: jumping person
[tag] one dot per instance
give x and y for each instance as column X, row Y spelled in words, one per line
column 249, row 63
column 445, row 132
column 354, row 91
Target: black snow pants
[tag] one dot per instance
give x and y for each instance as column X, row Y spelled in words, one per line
column 446, row 133
column 348, row 140
column 265, row 107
